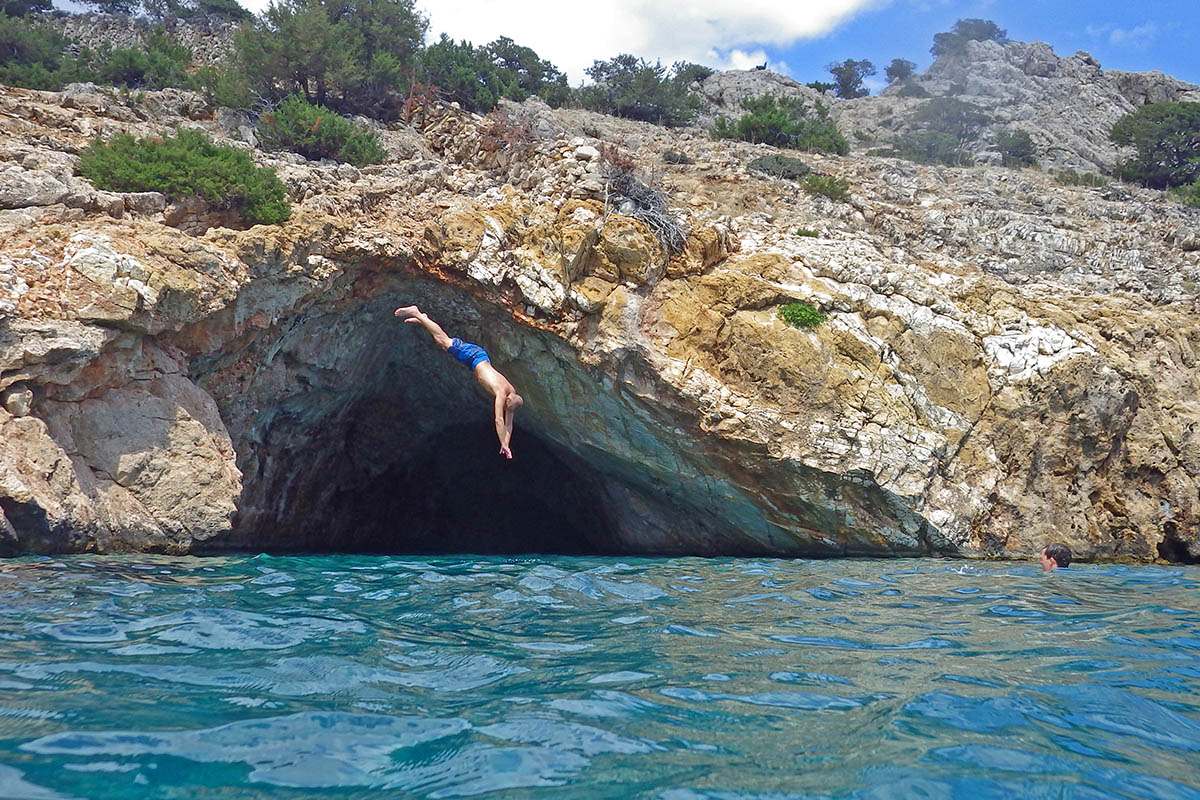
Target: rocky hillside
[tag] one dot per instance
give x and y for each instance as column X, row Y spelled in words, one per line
column 1005, row 361
column 1068, row 105
column 209, row 39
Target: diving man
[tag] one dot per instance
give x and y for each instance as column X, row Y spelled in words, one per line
column 476, row 359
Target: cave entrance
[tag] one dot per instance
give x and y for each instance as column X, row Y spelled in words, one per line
column 455, row 494
column 354, row 433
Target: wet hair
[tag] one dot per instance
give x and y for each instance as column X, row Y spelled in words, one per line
column 1060, row 553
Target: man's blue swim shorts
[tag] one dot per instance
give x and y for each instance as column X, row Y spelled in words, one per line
column 469, row 355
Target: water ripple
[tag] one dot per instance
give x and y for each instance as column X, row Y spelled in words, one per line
column 674, row 679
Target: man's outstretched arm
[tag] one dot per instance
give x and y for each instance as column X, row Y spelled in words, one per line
column 415, row 316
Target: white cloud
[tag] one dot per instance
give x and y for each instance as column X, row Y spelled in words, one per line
column 1138, row 36
column 740, row 59
column 719, row 33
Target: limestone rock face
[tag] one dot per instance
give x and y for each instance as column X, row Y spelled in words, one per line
column 1005, row 361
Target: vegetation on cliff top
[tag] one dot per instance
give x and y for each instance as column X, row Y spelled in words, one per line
column 955, row 40
column 365, row 56
column 188, row 164
column 478, row 77
column 1166, row 138
column 848, row 77
column 945, row 129
column 784, row 122
column 37, row 57
column 316, row 132
column 632, row 87
column 353, row 57
column 900, row 70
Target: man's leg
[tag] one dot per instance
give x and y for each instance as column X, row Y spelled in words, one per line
column 414, row 315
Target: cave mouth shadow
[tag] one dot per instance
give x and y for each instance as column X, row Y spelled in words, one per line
column 454, row 493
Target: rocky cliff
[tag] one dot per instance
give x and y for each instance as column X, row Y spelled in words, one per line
column 1005, row 361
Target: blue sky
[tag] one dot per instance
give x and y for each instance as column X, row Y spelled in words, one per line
column 1150, row 34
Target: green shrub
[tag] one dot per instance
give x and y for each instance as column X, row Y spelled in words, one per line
column 19, row 8
column 780, row 167
column 355, row 57
column 31, row 55
column 801, row 315
column 1189, row 195
column 931, row 147
column 911, row 88
column 686, row 73
column 829, row 186
column 1070, row 177
column 478, row 77
column 848, row 77
column 677, row 157
column 966, row 30
column 1016, row 148
column 1167, row 139
column 23, row 7
column 952, row 116
column 631, row 87
column 465, row 75
column 188, row 164
column 526, row 73
column 315, row 132
column 901, row 69
column 808, row 233
column 945, row 126
column 35, row 56
column 784, row 122
column 824, row 87
column 160, row 63
column 224, row 86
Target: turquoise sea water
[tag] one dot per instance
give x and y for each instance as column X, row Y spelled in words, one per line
column 679, row 679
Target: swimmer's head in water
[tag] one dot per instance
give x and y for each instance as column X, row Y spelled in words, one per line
column 1054, row 556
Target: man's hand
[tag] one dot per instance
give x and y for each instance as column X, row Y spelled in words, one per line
column 504, row 451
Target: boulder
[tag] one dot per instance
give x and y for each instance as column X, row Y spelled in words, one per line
column 21, row 188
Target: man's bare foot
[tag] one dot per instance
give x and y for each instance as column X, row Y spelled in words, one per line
column 409, row 314
column 504, row 451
